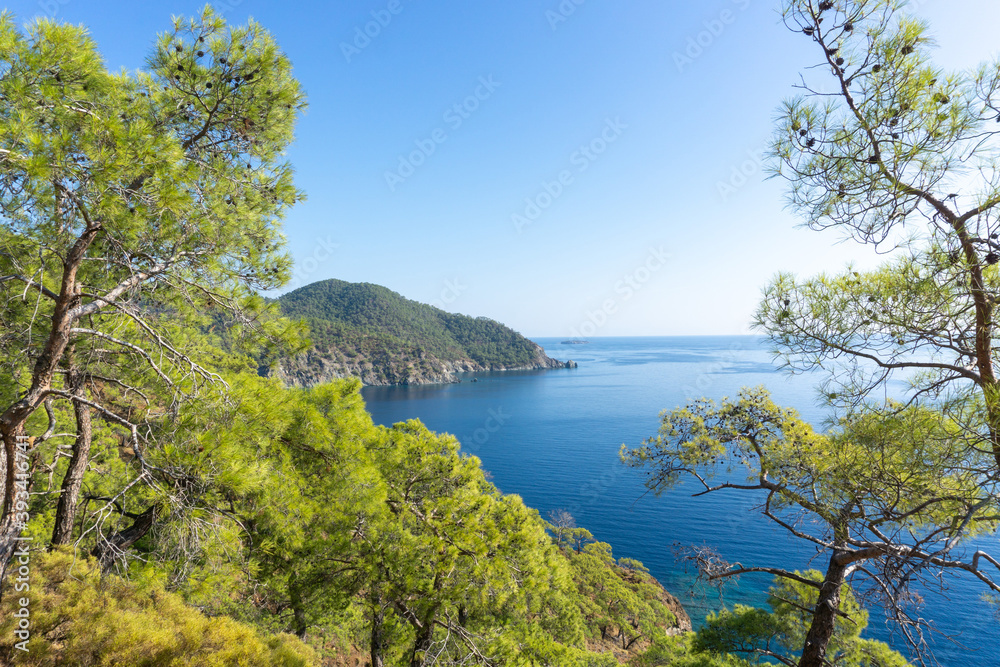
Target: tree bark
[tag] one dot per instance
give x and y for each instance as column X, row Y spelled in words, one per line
column 425, row 637
column 107, row 550
column 824, row 615
column 378, row 636
column 15, row 416
column 62, row 533
column 13, row 519
column 299, row 623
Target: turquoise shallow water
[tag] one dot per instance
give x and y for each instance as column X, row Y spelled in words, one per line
column 553, row 437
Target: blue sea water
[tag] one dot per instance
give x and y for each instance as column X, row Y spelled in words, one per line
column 553, row 437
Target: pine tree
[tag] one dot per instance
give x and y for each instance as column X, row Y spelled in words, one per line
column 131, row 206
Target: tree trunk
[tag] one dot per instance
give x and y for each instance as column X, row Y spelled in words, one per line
column 70, row 493
column 19, row 468
column 425, row 626
column 14, row 417
column 107, row 550
column 993, row 421
column 299, row 623
column 378, row 636
column 425, row 636
column 824, row 615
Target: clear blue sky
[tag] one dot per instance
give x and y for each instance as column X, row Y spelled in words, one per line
column 663, row 136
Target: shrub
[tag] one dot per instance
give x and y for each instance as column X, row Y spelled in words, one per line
column 76, row 618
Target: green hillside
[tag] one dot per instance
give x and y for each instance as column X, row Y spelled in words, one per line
column 372, row 332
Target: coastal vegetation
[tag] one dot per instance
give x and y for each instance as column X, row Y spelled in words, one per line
column 297, row 529
column 180, row 508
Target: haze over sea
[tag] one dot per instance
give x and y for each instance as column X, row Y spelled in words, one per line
column 553, row 438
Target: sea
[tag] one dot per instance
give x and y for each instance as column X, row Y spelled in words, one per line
column 553, row 438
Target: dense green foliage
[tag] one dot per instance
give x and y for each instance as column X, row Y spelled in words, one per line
column 680, row 651
column 78, row 619
column 755, row 634
column 303, row 516
column 133, row 207
column 882, row 494
column 378, row 324
column 619, row 599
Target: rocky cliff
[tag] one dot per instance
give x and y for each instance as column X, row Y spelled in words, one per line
column 317, row 366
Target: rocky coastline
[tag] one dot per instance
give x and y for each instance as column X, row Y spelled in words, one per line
column 317, row 366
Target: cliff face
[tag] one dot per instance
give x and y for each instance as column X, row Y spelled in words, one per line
column 319, row 365
column 610, row 641
column 674, row 605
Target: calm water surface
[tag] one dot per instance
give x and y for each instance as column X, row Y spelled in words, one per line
column 552, row 437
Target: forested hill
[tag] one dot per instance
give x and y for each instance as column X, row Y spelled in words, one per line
column 370, row 332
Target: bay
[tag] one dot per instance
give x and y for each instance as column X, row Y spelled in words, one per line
column 553, row 437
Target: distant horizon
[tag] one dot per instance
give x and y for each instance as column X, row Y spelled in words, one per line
column 277, row 295
column 654, row 336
